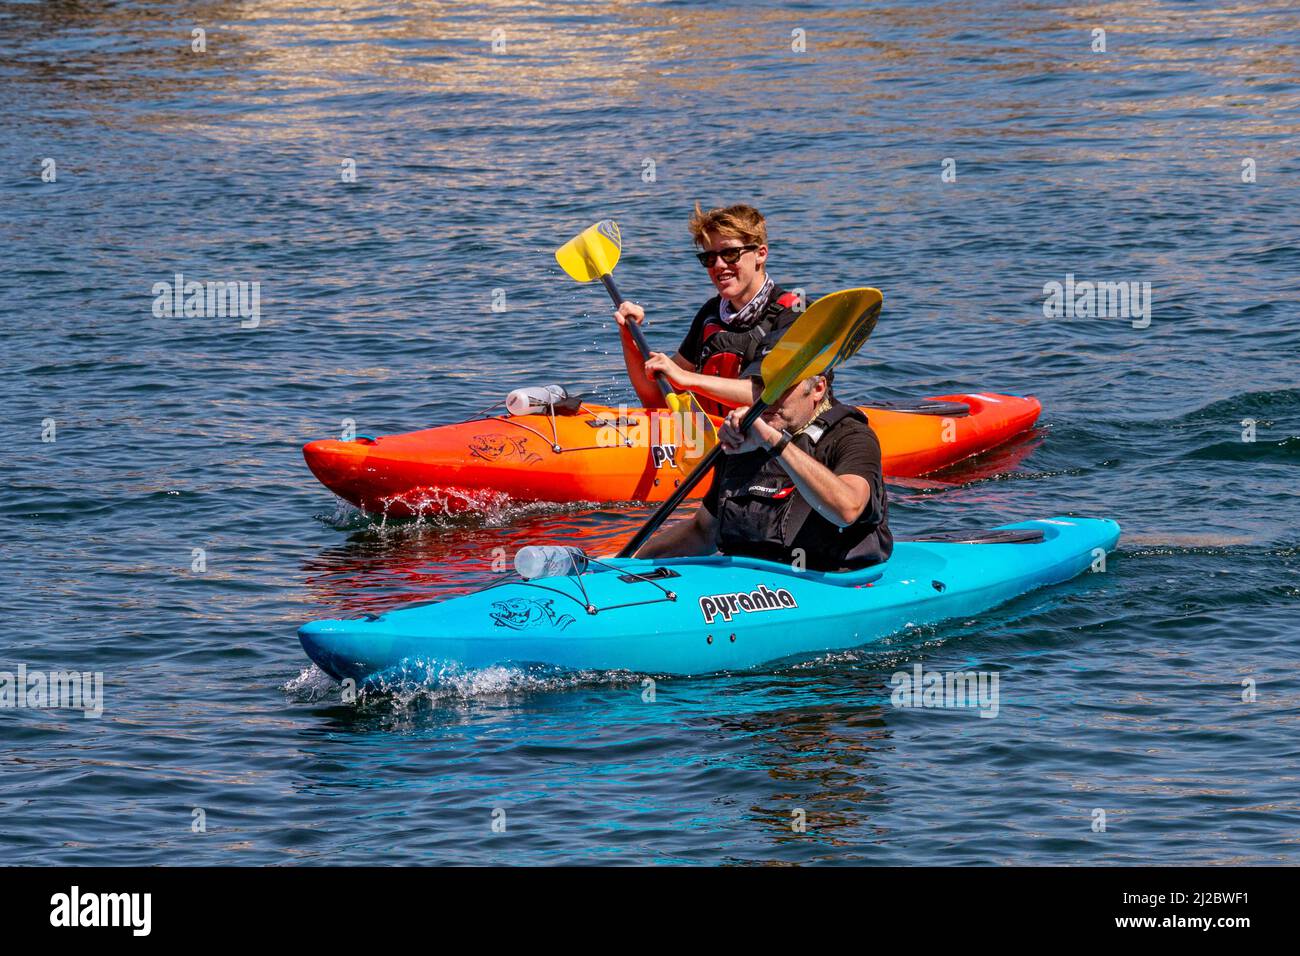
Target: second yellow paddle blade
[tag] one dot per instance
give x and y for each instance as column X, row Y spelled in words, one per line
column 593, row 252
column 833, row 328
column 693, row 423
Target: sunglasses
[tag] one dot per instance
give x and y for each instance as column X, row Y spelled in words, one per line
column 730, row 256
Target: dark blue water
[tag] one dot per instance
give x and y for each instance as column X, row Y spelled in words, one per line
column 1120, row 691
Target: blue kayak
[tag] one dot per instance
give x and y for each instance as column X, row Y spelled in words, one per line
column 688, row 616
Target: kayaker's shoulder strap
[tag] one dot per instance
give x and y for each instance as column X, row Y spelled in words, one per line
column 778, row 302
column 832, row 417
column 775, row 321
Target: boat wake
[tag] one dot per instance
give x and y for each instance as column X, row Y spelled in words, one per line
column 439, row 684
column 490, row 512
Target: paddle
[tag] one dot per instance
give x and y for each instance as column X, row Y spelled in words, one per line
column 592, row 254
column 830, row 332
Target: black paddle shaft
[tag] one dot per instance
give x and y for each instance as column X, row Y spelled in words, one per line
column 694, row 478
column 637, row 335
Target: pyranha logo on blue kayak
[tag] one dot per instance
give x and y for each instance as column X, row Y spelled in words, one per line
column 519, row 613
column 764, row 598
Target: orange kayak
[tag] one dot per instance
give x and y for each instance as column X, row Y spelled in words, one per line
column 597, row 454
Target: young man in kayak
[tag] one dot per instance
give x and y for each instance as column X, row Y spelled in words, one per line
column 726, row 333
column 804, row 487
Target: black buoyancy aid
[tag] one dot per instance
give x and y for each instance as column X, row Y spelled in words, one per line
column 725, row 350
column 760, row 512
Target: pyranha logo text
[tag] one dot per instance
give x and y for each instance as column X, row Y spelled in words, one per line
column 737, row 602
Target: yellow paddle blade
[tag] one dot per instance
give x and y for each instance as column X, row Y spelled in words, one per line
column 833, row 328
column 593, row 252
column 694, row 423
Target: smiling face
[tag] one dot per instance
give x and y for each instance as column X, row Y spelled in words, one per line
column 740, row 282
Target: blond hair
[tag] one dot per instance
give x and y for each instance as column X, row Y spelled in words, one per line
column 731, row 222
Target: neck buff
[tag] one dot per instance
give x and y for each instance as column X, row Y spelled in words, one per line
column 752, row 310
column 822, row 408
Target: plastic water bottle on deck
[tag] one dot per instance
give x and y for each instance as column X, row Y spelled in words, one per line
column 534, row 399
column 549, row 561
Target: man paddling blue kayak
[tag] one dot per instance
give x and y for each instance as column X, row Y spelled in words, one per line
column 802, row 487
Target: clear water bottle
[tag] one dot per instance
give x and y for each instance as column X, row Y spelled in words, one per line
column 549, row 561
column 534, row 399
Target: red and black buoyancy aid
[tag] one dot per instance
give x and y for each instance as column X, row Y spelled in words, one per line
column 726, row 350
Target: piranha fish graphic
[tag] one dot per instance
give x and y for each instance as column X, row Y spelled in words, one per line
column 519, row 613
column 493, row 447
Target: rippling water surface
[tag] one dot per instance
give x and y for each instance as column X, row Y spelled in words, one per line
column 1121, row 692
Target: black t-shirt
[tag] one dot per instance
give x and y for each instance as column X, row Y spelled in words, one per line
column 850, row 447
